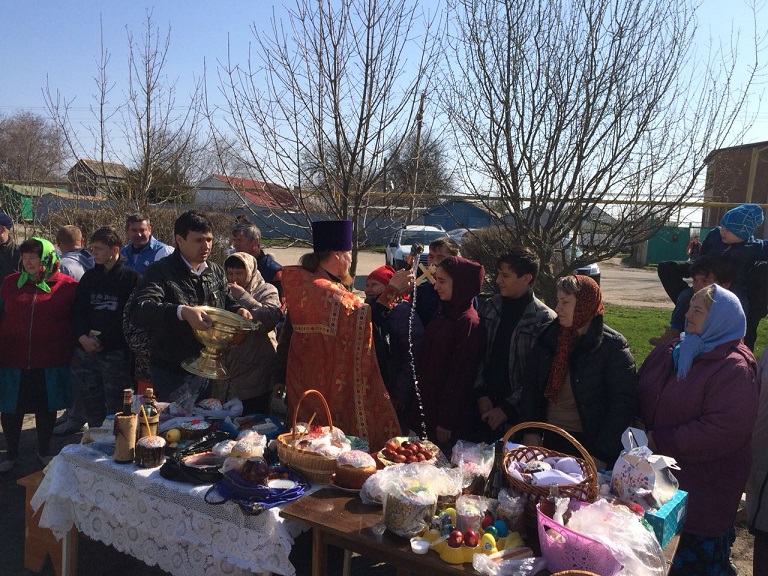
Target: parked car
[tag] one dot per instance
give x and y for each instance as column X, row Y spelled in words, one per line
column 399, row 247
column 457, row 235
column 591, row 270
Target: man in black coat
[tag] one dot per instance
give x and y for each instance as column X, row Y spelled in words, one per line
column 9, row 251
column 169, row 299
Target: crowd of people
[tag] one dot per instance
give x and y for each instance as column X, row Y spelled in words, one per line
column 416, row 354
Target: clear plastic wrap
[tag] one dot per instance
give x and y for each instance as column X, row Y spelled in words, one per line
column 474, row 460
column 442, row 481
column 470, row 510
column 513, row 562
column 624, row 534
column 409, row 510
column 511, row 509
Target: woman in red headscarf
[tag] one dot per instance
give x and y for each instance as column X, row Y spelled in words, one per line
column 581, row 376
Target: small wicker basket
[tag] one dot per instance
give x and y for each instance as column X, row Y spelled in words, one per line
column 586, row 490
column 316, row 467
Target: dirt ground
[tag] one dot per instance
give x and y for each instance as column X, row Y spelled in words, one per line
column 625, row 286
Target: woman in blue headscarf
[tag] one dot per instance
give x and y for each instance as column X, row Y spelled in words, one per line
column 698, row 396
column 36, row 342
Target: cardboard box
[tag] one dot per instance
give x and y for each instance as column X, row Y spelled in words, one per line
column 669, row 519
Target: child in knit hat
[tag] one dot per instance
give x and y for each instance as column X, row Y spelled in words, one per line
column 739, row 224
column 732, row 240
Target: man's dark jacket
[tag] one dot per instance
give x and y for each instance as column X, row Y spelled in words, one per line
column 167, row 284
column 9, row 258
column 100, row 298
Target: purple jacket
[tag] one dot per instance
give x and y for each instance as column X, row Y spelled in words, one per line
column 454, row 346
column 705, row 423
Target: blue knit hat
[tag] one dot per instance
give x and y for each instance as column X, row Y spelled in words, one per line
column 743, row 220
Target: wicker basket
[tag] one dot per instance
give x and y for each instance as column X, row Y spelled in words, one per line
column 316, row 467
column 586, row 490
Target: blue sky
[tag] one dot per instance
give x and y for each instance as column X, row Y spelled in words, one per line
column 57, row 43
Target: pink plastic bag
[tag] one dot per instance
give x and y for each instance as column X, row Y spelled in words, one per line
column 568, row 550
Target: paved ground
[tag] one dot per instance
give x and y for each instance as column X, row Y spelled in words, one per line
column 626, row 286
column 620, row 284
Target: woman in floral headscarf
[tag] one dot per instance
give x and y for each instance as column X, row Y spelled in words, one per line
column 698, row 398
column 251, row 365
column 580, row 377
column 36, row 343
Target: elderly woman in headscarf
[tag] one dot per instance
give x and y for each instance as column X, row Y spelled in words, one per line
column 698, row 398
column 580, row 377
column 251, row 365
column 36, row 343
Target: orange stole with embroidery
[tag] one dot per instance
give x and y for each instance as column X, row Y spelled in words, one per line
column 332, row 351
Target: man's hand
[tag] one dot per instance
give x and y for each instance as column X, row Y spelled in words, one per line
column 245, row 313
column 196, row 317
column 90, row 345
column 443, row 435
column 484, row 404
column 236, row 291
column 494, row 417
column 402, row 281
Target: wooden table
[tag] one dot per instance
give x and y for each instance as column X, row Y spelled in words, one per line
column 40, row 543
column 342, row 520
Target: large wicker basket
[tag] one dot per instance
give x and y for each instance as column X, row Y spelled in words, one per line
column 586, row 491
column 316, row 467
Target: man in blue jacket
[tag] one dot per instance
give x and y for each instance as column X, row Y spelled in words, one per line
column 142, row 248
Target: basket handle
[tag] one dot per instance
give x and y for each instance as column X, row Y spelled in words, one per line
column 298, row 404
column 557, row 430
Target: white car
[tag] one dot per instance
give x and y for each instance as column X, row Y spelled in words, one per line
column 399, row 247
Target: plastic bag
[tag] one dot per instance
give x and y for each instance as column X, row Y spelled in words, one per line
column 624, row 534
column 474, row 460
column 507, row 563
column 232, row 409
column 470, row 511
column 409, row 510
column 511, row 509
column 185, row 397
column 442, row 481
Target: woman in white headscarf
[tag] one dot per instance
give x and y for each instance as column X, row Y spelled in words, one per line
column 251, row 365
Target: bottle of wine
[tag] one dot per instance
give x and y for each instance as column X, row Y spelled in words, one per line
column 495, row 481
column 125, row 430
column 548, row 504
column 127, row 402
column 152, row 415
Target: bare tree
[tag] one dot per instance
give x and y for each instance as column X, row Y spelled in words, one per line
column 165, row 138
column 31, row 148
column 564, row 110
column 328, row 96
column 419, row 171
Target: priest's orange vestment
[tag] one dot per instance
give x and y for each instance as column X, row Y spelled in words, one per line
column 332, row 351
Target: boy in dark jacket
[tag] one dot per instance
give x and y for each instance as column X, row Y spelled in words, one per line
column 101, row 362
column 513, row 320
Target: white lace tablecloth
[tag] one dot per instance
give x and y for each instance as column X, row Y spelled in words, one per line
column 162, row 523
